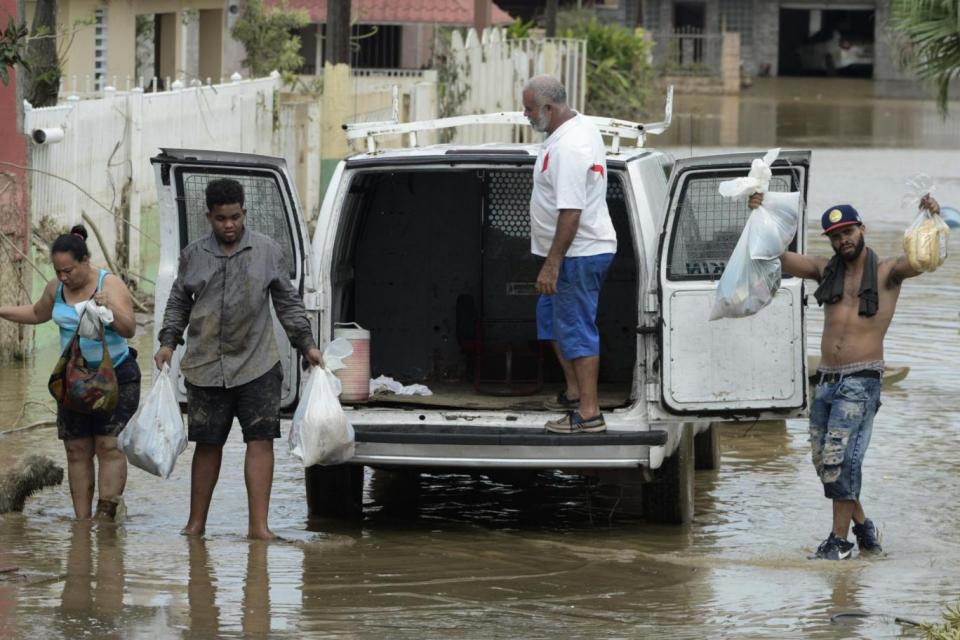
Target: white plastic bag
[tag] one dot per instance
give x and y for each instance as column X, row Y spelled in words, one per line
column 320, row 432
column 747, row 285
column 752, row 275
column 156, row 435
column 773, row 224
column 93, row 319
column 758, row 180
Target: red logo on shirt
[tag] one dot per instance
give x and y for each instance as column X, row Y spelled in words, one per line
column 546, row 159
column 598, row 168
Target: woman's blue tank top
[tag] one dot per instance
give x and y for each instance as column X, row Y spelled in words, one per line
column 67, row 319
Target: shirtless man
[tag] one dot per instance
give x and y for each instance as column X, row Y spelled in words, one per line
column 860, row 292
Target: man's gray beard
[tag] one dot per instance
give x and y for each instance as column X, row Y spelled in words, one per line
column 540, row 123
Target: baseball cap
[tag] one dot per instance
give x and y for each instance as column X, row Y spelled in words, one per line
column 837, row 216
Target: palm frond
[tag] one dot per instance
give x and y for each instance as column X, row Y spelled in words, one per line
column 927, row 35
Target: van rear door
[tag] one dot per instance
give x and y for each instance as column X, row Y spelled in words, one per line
column 272, row 209
column 754, row 366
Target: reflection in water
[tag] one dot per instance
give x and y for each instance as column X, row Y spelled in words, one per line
column 93, row 586
column 256, row 592
column 202, row 592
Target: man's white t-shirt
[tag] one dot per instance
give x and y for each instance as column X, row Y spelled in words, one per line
column 571, row 173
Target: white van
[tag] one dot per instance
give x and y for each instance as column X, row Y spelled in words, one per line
column 428, row 248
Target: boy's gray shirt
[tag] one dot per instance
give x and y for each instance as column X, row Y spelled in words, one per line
column 225, row 301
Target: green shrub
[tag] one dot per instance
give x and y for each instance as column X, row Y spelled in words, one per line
column 268, row 38
column 619, row 73
column 519, row 29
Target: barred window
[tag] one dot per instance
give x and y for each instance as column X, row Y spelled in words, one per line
column 264, row 203
column 737, row 15
column 651, row 16
column 708, row 225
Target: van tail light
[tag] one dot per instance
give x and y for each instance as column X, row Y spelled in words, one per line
column 845, row 44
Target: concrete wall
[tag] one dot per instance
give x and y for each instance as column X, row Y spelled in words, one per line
column 416, row 45
column 15, row 275
column 766, row 38
column 108, row 143
column 211, row 43
column 726, row 82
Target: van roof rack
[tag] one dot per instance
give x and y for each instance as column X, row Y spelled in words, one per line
column 613, row 128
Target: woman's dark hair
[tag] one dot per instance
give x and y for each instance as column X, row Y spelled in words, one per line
column 74, row 243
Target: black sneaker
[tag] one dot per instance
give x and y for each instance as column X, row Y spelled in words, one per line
column 868, row 536
column 833, row 548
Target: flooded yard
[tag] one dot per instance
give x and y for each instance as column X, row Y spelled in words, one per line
column 480, row 559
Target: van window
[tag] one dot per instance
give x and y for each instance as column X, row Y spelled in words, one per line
column 708, row 225
column 508, row 202
column 264, row 204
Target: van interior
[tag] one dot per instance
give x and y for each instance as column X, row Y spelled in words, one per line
column 435, row 262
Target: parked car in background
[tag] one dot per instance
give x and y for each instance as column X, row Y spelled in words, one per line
column 830, row 51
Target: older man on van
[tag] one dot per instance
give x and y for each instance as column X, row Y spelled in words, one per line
column 225, row 283
column 571, row 229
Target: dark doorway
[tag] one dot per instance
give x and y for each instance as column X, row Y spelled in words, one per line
column 373, row 46
column 690, row 17
column 826, row 42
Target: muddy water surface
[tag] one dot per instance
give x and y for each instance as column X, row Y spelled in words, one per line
column 482, row 559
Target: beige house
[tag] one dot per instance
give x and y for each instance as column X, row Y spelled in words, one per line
column 125, row 42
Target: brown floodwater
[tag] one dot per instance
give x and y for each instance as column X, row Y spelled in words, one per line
column 480, row 559
column 809, row 113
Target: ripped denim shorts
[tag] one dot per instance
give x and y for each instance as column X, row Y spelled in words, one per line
column 841, row 422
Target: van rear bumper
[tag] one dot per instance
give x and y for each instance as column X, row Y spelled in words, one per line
column 469, row 446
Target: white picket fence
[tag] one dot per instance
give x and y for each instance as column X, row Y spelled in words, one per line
column 492, row 70
column 87, row 86
column 101, row 166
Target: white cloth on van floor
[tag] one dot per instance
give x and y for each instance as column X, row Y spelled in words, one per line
column 386, row 384
column 571, row 173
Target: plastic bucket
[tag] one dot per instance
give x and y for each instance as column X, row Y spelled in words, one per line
column 355, row 375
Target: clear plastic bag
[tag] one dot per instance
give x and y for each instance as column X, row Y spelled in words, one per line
column 752, row 275
column 320, row 432
column 156, row 435
column 918, row 186
column 925, row 242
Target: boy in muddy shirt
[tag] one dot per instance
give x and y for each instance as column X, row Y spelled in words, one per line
column 860, row 291
column 225, row 282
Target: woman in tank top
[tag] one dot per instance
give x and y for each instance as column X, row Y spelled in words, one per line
column 87, row 437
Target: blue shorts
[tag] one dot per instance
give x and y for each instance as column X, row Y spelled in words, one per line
column 570, row 316
column 841, row 422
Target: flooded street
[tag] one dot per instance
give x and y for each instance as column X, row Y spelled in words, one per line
column 480, row 559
